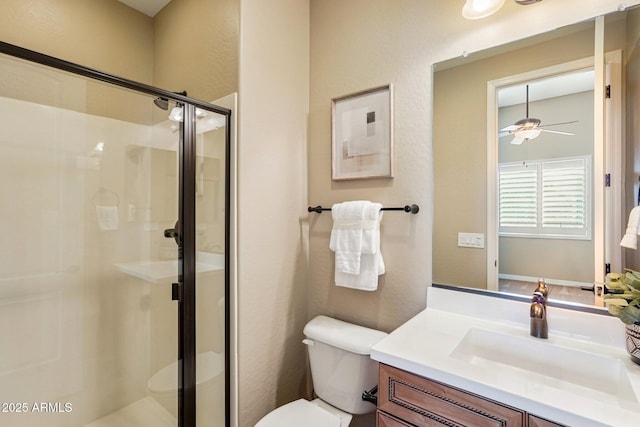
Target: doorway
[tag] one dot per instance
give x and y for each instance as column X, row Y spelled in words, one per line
column 589, row 231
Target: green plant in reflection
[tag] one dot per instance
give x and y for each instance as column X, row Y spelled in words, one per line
column 623, row 297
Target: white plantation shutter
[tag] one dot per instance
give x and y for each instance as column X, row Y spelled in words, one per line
column 547, row 198
column 518, row 196
column 564, row 194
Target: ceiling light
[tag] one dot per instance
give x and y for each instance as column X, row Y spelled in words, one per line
column 526, row 2
column 527, row 134
column 476, row 9
column 176, row 114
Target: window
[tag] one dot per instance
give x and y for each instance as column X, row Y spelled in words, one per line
column 546, row 198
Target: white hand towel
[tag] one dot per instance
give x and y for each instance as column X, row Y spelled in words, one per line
column 630, row 238
column 107, row 217
column 346, row 235
column 367, row 232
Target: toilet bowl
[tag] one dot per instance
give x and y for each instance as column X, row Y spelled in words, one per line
column 341, row 369
column 301, row 412
column 163, row 387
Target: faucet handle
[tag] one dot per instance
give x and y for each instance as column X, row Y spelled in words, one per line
column 543, row 288
column 539, row 298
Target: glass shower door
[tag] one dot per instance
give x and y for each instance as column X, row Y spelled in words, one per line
column 211, row 245
column 89, row 182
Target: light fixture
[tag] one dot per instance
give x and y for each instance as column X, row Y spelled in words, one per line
column 527, row 2
column 476, row 9
column 527, row 134
column 176, row 114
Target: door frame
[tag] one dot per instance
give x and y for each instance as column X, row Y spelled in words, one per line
column 492, row 243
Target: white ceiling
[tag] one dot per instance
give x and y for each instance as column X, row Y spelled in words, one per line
column 148, row 7
column 564, row 84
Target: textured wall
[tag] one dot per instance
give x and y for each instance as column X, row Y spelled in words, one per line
column 272, row 282
column 196, row 47
column 102, row 34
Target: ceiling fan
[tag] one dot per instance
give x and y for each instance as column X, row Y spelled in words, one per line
column 529, row 127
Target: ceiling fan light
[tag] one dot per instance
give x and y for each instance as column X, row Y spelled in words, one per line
column 477, row 9
column 527, row 133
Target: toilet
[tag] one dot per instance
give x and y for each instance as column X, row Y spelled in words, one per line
column 163, row 388
column 341, row 369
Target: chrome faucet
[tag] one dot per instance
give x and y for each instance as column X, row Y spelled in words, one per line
column 538, row 311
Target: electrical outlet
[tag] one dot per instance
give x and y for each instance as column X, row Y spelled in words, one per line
column 471, row 240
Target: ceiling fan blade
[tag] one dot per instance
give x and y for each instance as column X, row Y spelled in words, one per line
column 517, row 141
column 509, row 128
column 558, row 132
column 557, row 124
column 504, row 133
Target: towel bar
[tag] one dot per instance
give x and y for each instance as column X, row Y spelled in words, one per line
column 414, row 209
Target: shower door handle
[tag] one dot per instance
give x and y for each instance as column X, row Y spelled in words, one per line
column 176, row 291
column 173, row 232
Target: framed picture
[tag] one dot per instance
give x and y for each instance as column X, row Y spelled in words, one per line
column 362, row 135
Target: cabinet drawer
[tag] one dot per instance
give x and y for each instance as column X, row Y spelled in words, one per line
column 424, row 402
column 541, row 422
column 386, row 420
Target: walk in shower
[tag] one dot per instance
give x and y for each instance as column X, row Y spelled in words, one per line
column 114, row 277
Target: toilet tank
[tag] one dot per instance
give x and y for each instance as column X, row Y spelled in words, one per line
column 341, row 366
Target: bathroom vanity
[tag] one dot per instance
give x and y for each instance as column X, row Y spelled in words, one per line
column 469, row 360
column 406, row 397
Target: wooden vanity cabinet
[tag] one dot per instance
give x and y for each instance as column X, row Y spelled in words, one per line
column 406, row 400
column 541, row 422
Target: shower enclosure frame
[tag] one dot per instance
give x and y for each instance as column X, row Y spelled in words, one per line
column 186, row 225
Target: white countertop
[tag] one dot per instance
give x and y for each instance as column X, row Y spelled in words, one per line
column 430, row 345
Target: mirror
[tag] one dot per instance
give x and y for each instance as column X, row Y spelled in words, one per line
column 470, row 248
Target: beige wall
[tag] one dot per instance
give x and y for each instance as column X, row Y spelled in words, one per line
column 357, row 45
column 189, row 45
column 101, row 34
column 272, row 277
column 196, row 47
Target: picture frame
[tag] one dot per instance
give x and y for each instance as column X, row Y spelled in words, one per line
column 362, row 134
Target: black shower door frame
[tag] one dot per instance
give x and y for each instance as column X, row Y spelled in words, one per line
column 186, row 223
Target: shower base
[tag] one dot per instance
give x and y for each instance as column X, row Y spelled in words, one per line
column 145, row 412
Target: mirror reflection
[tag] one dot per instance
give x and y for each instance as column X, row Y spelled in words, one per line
column 519, row 183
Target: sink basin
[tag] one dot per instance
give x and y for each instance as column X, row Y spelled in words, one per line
column 162, row 270
column 564, row 368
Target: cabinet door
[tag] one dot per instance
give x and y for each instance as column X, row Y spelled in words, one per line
column 541, row 422
column 386, row 420
column 424, row 402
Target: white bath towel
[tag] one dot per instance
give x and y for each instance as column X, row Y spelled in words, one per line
column 355, row 239
column 630, row 238
column 107, row 217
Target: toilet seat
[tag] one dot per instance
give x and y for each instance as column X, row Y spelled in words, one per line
column 300, row 413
